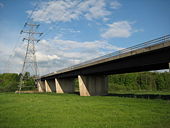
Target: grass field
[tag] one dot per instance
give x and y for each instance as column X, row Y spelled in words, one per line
column 72, row 111
column 140, row 92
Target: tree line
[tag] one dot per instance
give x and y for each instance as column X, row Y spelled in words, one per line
column 9, row 82
column 151, row 81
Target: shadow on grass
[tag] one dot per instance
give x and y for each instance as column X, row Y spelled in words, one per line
column 58, row 94
column 146, row 96
column 130, row 95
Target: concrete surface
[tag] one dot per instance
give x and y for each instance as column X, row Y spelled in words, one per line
column 41, row 86
column 64, row 85
column 93, row 85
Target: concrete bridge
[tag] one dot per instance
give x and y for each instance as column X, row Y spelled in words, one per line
column 92, row 75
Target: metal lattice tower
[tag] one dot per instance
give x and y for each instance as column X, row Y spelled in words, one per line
column 30, row 63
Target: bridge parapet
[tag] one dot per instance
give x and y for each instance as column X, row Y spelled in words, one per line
column 148, row 44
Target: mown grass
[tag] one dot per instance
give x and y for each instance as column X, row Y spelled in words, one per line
column 140, row 92
column 72, row 111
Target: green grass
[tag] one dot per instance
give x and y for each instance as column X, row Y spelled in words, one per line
column 140, row 92
column 73, row 111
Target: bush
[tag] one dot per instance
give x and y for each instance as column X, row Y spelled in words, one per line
column 140, row 81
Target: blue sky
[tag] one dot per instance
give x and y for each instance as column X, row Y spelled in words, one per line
column 79, row 30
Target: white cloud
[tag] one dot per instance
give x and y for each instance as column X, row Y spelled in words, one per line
column 8, row 62
column 115, row 5
column 64, row 11
column 1, row 5
column 97, row 10
column 118, row 29
column 54, row 54
column 63, row 53
column 105, row 19
column 41, row 57
column 55, row 11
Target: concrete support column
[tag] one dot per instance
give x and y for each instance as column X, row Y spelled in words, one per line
column 64, row 85
column 41, row 86
column 50, row 86
column 169, row 67
column 95, row 85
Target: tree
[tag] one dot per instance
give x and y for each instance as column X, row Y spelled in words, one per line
column 9, row 82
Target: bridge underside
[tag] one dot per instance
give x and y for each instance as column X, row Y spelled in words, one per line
column 154, row 60
column 93, row 79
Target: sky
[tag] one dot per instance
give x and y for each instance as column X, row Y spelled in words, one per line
column 77, row 30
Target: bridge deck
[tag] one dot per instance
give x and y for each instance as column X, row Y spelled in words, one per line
column 156, row 44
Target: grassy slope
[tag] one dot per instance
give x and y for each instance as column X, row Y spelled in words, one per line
column 73, row 111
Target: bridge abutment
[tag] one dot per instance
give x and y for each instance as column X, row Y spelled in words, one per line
column 93, row 85
column 50, row 86
column 64, row 85
column 41, row 86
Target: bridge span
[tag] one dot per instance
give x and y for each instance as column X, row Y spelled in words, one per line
column 92, row 74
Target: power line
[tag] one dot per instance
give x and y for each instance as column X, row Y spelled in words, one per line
column 29, row 18
column 55, row 24
column 6, row 68
column 31, row 14
column 30, row 56
column 30, row 60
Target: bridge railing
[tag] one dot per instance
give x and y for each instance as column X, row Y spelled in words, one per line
column 126, row 50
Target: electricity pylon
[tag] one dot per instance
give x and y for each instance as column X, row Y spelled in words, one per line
column 30, row 62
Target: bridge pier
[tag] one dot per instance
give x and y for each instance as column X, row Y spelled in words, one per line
column 50, row 86
column 41, row 86
column 64, row 85
column 96, row 85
